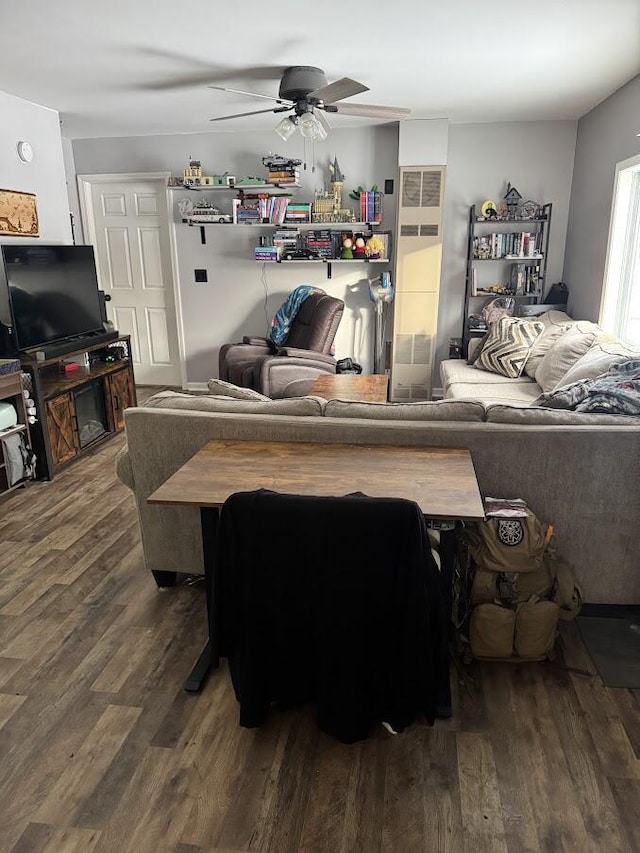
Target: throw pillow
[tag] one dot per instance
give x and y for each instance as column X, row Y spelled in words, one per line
column 597, row 360
column 508, row 346
column 564, row 353
column 556, row 323
column 228, row 389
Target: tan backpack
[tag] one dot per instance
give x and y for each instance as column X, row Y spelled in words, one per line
column 520, row 589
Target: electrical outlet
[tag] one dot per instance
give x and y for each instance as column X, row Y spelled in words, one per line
column 200, row 276
column 388, row 186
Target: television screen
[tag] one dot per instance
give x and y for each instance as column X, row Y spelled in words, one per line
column 53, row 291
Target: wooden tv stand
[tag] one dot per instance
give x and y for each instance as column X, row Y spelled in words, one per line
column 77, row 411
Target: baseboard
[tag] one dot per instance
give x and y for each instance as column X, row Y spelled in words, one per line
column 196, row 386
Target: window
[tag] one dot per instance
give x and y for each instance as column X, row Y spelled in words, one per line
column 620, row 309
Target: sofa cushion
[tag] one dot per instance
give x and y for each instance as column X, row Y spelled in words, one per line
column 297, row 406
column 440, row 410
column 508, row 345
column 457, row 370
column 537, row 416
column 596, row 360
column 564, row 353
column 515, row 393
column 228, row 389
column 556, row 324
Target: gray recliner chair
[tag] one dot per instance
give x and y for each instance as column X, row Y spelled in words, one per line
column 289, row 370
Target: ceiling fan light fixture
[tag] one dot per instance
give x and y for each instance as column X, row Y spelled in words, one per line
column 286, row 127
column 310, row 127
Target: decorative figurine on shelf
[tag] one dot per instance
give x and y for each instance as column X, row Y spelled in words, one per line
column 347, row 249
column 184, row 206
column 327, row 203
column 360, row 249
column 192, row 176
column 337, row 183
column 374, row 248
column 530, row 209
column 512, row 199
column 488, row 209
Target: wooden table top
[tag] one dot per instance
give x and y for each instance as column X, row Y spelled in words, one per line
column 441, row 481
column 365, row 388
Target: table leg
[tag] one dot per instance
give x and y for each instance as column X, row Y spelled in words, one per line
column 209, row 657
column 447, row 551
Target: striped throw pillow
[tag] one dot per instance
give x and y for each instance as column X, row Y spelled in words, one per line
column 508, row 345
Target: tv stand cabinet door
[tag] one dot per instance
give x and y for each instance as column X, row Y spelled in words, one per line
column 120, row 396
column 63, row 436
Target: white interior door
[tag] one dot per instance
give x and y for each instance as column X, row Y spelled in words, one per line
column 130, row 225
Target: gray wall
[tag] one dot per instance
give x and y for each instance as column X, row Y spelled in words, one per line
column 606, row 136
column 232, row 303
column 44, row 176
column 537, row 157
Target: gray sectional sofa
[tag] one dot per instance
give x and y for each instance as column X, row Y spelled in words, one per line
column 579, row 472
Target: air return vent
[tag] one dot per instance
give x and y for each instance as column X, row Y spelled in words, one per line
column 413, row 349
column 418, row 230
column 431, row 189
column 411, row 185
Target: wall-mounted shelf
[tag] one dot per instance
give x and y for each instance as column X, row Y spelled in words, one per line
column 236, row 188
column 308, row 226
column 329, row 262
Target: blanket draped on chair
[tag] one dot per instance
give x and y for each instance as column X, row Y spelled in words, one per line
column 284, row 316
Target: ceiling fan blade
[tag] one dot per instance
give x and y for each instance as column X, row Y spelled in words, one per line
column 199, row 72
column 345, row 87
column 252, row 95
column 371, row 111
column 253, row 113
column 319, row 114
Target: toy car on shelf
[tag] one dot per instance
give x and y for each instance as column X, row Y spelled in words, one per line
column 300, row 255
column 276, row 161
column 205, row 212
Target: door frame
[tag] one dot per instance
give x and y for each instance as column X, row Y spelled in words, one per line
column 85, row 193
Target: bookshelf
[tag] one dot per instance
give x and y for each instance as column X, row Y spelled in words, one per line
column 510, row 253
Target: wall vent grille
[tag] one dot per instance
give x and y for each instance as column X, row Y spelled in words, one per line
column 431, row 189
column 411, row 185
column 413, row 349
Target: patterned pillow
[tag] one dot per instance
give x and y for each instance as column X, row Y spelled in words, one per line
column 508, row 346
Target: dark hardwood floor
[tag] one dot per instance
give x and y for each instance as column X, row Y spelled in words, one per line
column 101, row 751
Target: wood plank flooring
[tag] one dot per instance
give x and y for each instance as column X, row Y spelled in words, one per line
column 101, row 751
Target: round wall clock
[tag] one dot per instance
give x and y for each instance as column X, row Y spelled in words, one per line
column 25, row 151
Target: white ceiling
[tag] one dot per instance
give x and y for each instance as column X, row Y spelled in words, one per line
column 99, row 63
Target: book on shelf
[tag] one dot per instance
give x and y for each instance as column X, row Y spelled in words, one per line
column 266, row 253
column 371, row 206
column 518, row 244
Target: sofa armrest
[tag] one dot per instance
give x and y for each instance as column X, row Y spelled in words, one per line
column 124, row 471
column 309, row 355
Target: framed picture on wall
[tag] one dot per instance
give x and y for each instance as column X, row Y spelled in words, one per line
column 18, row 214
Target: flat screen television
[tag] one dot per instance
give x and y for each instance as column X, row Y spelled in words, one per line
column 53, row 293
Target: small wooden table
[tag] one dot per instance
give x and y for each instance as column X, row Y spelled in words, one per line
column 365, row 388
column 441, row 481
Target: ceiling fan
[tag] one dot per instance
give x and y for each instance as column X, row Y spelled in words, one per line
column 305, row 92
